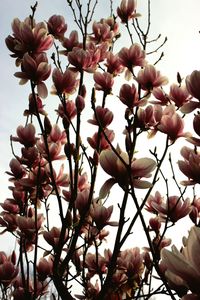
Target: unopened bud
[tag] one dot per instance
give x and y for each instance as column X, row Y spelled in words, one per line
column 69, row 149
column 69, row 219
column 66, row 123
column 80, row 103
column 83, row 91
column 96, row 158
column 155, row 224
column 47, row 125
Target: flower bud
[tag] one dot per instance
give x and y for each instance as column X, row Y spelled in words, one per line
column 80, row 103
column 47, row 125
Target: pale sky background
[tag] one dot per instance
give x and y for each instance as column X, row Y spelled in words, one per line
column 177, row 19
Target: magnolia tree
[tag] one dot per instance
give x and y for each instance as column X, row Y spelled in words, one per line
column 80, row 189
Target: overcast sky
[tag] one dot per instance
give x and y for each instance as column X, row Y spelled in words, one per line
column 177, row 19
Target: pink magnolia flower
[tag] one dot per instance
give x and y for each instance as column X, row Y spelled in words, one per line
column 26, row 135
column 94, row 265
column 132, row 57
column 30, row 156
column 126, row 10
column 52, row 236
column 54, row 150
column 161, row 96
column 27, row 228
column 131, row 260
column 179, row 95
column 33, row 109
column 157, row 199
column 57, row 26
column 150, row 78
column 196, row 123
column 190, row 166
column 68, row 111
column 101, row 33
column 100, row 142
column 44, row 268
column 184, row 264
column 57, row 135
column 118, row 170
column 64, row 82
column 149, row 118
column 192, row 83
column 8, row 221
column 86, row 60
column 173, row 208
column 37, row 70
column 71, row 42
column 172, row 124
column 8, row 268
column 82, row 201
column 113, row 64
column 104, row 117
column 11, row 206
column 101, row 215
column 27, row 39
column 17, row 170
column 129, row 96
column 103, row 82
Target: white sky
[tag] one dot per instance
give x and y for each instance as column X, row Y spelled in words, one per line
column 177, row 19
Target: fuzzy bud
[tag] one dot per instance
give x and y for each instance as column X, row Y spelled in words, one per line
column 80, row 103
column 47, row 125
column 83, row 91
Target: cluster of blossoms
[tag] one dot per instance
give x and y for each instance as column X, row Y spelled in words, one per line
column 69, row 245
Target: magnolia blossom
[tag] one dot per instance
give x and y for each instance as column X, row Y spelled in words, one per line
column 27, row 39
column 113, row 64
column 101, row 33
column 84, row 59
column 99, row 141
column 190, row 166
column 173, row 207
column 44, row 268
column 161, row 96
column 126, row 10
column 101, row 215
column 26, row 135
column 150, row 78
column 183, row 266
column 57, row 26
column 129, row 96
column 37, row 70
column 149, row 118
column 117, row 167
column 103, row 117
column 132, row 57
column 71, row 42
column 172, row 124
column 179, row 95
column 192, row 83
column 64, row 82
column 103, row 81
column 8, row 268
